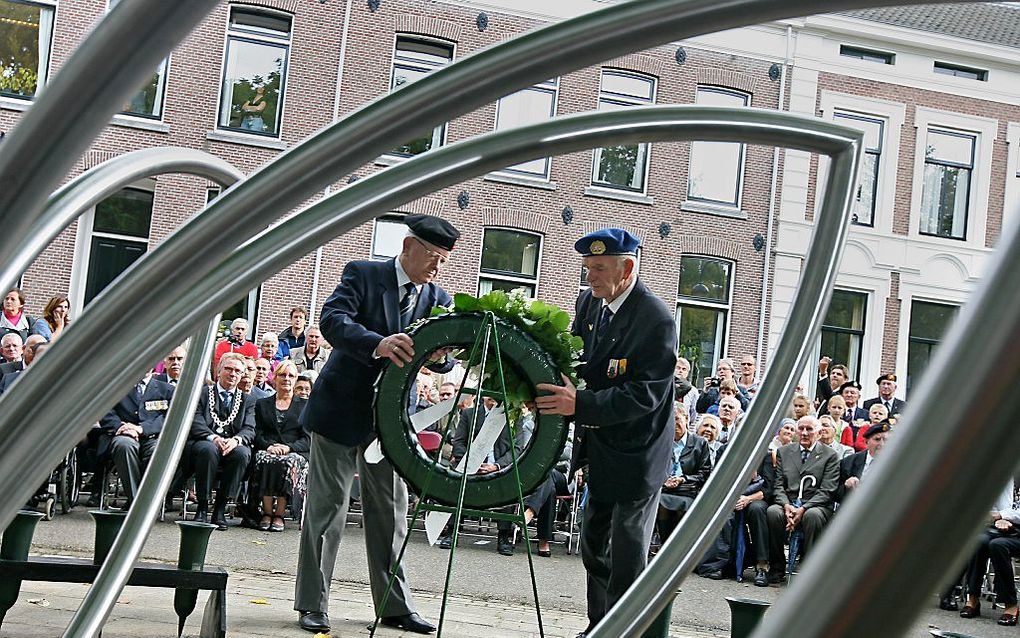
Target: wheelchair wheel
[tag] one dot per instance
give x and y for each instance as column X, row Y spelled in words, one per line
column 49, row 505
column 67, row 483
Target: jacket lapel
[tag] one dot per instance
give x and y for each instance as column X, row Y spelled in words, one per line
column 617, row 326
column 391, row 302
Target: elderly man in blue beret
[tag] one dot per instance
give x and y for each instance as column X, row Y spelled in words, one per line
column 624, row 413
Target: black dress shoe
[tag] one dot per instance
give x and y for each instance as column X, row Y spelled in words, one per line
column 970, row 611
column 93, row 500
column 445, row 542
column 716, row 575
column 1007, row 620
column 409, row 622
column 761, row 578
column 317, row 621
column 948, row 603
column 220, row 522
column 777, row 578
column 504, row 546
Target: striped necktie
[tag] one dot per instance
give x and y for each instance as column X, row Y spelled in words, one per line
column 607, row 316
column 407, row 304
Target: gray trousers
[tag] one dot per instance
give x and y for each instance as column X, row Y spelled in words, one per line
column 131, row 457
column 614, row 548
column 331, row 469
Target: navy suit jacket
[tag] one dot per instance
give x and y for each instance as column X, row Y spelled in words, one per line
column 626, row 415
column 148, row 413
column 363, row 309
column 897, row 405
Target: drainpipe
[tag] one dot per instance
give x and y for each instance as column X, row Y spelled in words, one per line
column 772, row 209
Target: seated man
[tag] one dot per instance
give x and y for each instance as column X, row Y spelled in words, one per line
column 12, row 348
column 853, row 468
column 794, row 462
column 1000, row 543
column 886, row 396
column 221, row 437
column 235, row 342
column 173, row 366
column 690, row 465
column 311, row 355
column 134, row 425
column 729, row 417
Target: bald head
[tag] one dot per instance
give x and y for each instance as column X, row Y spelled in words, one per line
column 31, row 345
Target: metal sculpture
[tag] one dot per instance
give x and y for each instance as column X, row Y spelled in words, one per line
column 489, row 74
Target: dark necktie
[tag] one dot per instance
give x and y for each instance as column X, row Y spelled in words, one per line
column 888, row 407
column 607, row 316
column 803, row 455
column 225, row 401
column 849, row 414
column 407, row 304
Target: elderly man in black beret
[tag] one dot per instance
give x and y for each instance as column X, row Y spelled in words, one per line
column 365, row 320
column 853, row 468
column 886, row 396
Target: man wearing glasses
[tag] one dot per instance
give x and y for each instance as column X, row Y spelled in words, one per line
column 365, row 319
column 748, row 379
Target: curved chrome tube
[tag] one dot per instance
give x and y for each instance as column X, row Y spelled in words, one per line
column 94, row 185
column 102, row 596
column 105, row 70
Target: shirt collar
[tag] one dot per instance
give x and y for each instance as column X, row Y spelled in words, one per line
column 810, row 449
column 220, row 389
column 402, row 278
column 615, row 304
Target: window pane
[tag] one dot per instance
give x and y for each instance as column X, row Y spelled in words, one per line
column 930, row 320
column 864, row 201
column 715, row 168
column 524, row 107
column 128, row 212
column 25, row 32
column 270, row 24
column 702, row 278
column 488, row 285
column 510, row 252
column 107, row 259
column 872, row 128
column 708, row 96
column 418, row 58
column 148, row 102
column 625, row 84
column 700, row 333
column 620, row 166
column 252, row 86
column 389, row 237
column 842, row 347
column 846, row 310
column 944, row 201
column 424, row 51
column 950, row 147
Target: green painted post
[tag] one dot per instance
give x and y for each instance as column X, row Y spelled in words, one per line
column 108, row 525
column 191, row 556
column 746, row 614
column 16, row 542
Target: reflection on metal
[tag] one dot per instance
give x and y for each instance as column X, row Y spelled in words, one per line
column 907, row 525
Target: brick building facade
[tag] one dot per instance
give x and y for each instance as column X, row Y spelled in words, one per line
column 723, row 226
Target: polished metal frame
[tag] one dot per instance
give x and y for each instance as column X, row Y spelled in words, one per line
column 181, row 283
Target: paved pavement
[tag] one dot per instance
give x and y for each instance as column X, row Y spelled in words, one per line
column 491, row 594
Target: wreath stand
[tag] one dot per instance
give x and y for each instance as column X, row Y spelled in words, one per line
column 487, row 336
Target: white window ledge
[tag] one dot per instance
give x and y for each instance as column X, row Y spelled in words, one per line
column 246, row 140
column 14, row 104
column 140, row 123
column 522, row 180
column 719, row 210
column 390, row 160
column 621, row 195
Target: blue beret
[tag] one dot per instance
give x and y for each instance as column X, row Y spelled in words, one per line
column 608, row 241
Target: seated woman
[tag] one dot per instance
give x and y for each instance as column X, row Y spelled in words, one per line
column 14, row 318
column 708, row 428
column 267, row 351
column 281, row 448
column 55, row 318
column 691, row 463
column 787, row 430
column 1000, row 543
column 827, row 436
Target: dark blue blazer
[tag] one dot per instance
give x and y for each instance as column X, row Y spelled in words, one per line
column 149, row 413
column 364, row 308
column 629, row 439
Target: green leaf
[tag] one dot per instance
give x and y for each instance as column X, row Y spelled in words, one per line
column 463, row 302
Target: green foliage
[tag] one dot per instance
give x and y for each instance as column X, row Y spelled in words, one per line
column 545, row 323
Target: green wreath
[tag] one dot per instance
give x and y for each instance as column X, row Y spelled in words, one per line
column 525, row 357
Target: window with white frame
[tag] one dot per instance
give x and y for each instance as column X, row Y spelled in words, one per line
column 702, row 312
column 528, row 106
column 842, row 336
column 388, row 236
column 866, row 195
column 120, row 235
column 26, row 35
column 247, row 307
column 414, row 57
column 717, row 168
column 509, row 261
column 929, row 321
column 622, row 167
column 148, row 101
column 945, row 198
column 255, row 71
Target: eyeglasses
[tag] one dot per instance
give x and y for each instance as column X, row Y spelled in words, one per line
column 433, row 255
column 175, row 358
column 747, row 363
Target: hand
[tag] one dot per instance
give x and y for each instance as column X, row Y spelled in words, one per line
column 798, row 514
column 708, row 380
column 129, row 429
column 672, row 482
column 278, row 449
column 228, row 445
column 742, row 503
column 823, row 366
column 852, row 483
column 561, row 399
column 579, row 477
column 398, row 348
column 437, row 356
column 1003, row 524
column 487, row 468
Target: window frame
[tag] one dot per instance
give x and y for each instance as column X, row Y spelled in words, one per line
column 551, row 86
column 724, row 308
column 854, row 370
column 388, row 218
column 971, row 168
column 908, row 381
column 232, row 34
column 959, row 71
column 867, row 55
column 44, row 67
column 439, row 133
column 841, row 113
column 163, row 71
column 741, row 158
column 503, row 276
column 623, row 100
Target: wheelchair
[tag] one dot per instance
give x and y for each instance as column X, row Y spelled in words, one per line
column 62, row 488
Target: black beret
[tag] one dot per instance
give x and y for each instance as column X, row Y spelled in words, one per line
column 435, row 230
column 886, row 377
column 878, row 428
column 850, row 384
